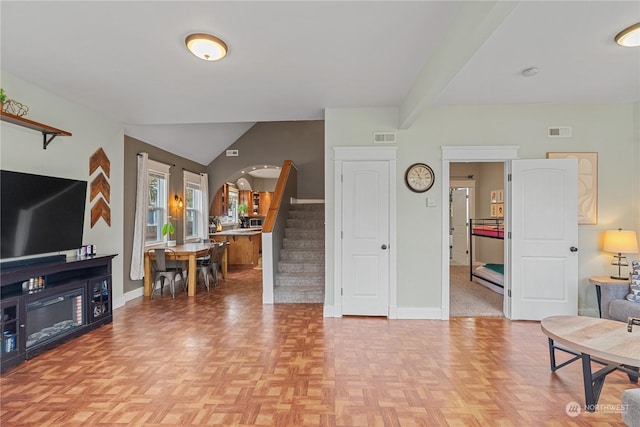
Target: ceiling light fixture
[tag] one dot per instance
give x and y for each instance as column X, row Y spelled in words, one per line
column 630, row 36
column 529, row 72
column 206, row 46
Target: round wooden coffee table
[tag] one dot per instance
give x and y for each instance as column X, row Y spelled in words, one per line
column 603, row 341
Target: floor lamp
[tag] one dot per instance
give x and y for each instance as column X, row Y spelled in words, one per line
column 621, row 242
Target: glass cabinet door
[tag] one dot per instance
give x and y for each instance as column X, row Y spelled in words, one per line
column 12, row 330
column 100, row 303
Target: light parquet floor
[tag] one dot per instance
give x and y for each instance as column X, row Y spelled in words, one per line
column 224, row 359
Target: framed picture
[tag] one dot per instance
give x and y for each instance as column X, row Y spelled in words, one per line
column 494, row 210
column 500, row 195
column 500, row 210
column 587, row 184
column 494, row 196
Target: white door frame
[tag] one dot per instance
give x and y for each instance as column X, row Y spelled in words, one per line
column 364, row 153
column 463, row 153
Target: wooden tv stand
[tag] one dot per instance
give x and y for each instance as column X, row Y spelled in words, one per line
column 45, row 304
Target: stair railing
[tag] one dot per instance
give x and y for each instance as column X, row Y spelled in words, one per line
column 274, row 225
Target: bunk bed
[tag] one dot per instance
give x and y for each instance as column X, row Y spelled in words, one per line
column 489, row 275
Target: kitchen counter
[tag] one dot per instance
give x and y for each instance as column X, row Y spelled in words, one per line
column 237, row 232
column 245, row 245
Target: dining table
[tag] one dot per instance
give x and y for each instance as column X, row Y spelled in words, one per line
column 185, row 252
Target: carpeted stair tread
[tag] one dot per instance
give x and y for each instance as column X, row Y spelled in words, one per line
column 300, row 273
column 299, row 279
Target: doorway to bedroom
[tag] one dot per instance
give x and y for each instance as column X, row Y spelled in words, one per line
column 475, row 275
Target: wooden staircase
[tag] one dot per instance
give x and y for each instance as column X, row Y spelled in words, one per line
column 300, row 274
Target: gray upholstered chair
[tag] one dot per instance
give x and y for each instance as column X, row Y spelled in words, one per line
column 631, row 407
column 614, row 304
column 162, row 269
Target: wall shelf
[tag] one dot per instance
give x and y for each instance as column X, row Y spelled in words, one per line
column 48, row 132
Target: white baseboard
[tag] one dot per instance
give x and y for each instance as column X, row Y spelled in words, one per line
column 419, row 313
column 401, row 313
column 119, row 302
column 327, row 311
column 136, row 293
column 295, row 201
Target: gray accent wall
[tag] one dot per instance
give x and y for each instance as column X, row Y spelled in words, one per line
column 272, row 143
column 131, row 149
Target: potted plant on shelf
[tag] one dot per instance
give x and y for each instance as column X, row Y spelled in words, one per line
column 168, row 228
column 244, row 220
column 3, row 97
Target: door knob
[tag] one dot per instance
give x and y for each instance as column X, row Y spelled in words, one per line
column 573, row 249
column 384, row 246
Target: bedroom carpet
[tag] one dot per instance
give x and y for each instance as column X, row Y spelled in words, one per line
column 469, row 298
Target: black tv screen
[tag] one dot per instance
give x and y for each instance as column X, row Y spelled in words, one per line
column 40, row 214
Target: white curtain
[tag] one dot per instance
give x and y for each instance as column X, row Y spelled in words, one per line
column 204, row 220
column 140, row 224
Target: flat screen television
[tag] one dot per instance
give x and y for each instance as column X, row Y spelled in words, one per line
column 40, row 214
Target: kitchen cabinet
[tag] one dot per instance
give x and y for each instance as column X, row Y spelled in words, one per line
column 265, row 202
column 245, row 198
column 244, row 246
column 224, row 201
column 255, row 204
column 261, row 203
column 220, row 199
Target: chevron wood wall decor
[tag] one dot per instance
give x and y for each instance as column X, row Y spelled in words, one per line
column 100, row 210
column 100, row 186
column 100, row 159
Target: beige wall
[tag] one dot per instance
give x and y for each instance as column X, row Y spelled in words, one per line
column 272, row 143
column 176, row 186
column 610, row 130
column 68, row 157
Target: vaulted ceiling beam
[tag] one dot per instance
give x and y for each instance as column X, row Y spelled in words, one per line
column 470, row 29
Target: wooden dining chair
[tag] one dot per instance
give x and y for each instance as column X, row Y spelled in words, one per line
column 162, row 269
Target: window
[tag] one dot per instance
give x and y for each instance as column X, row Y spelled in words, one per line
column 157, row 214
column 193, row 206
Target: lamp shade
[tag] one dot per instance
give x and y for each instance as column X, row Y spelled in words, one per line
column 620, row 241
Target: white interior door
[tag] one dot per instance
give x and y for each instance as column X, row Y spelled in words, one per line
column 365, row 238
column 543, row 218
column 460, row 225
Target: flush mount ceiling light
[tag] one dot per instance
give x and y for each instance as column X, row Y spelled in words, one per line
column 206, row 46
column 630, row 36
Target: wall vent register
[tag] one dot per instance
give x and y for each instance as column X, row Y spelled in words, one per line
column 560, row 132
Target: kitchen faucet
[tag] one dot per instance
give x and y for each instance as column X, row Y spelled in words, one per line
column 633, row 321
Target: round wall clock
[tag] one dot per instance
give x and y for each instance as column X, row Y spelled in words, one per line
column 419, row 177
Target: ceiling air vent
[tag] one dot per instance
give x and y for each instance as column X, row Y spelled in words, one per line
column 384, row 137
column 232, row 153
column 560, row 132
